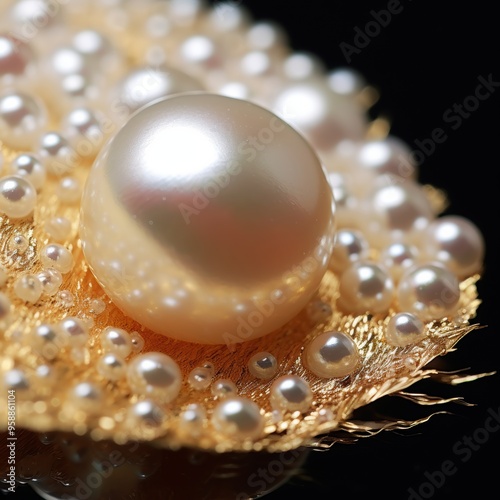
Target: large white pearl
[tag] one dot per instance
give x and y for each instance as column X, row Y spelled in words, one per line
column 208, row 219
column 429, row 291
column 238, row 417
column 457, row 243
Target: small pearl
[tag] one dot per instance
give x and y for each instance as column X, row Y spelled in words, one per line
column 398, row 258
column 56, row 154
column 97, row 306
column 116, row 340
column 46, row 340
column 255, row 63
column 291, row 393
column 15, row 379
column 146, row 413
column 224, row 388
column 137, row 342
column 365, row 287
column 387, row 156
column 155, row 374
column 192, row 419
column 404, row 329
column 65, row 298
column 84, row 131
column 429, row 291
column 332, row 354
column 75, row 331
column 86, row 396
column 22, row 119
column 28, row 288
column 263, row 365
column 199, row 53
column 144, row 85
column 301, row 66
column 238, row 417
column 346, row 81
column 17, row 197
column 19, row 243
column 457, row 243
column 57, row 257
column 325, row 118
column 59, row 228
column 350, row 246
column 111, row 366
column 200, row 378
column 30, row 167
column 265, row 36
column 69, row 190
column 51, row 280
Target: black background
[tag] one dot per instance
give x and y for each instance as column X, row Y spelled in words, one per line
column 427, row 59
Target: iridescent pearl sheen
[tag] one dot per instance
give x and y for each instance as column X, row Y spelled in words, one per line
column 430, row 291
column 332, row 354
column 156, row 375
column 224, row 225
column 17, row 196
column 30, row 167
column 263, row 365
column 238, row 417
column 404, row 329
column 291, row 393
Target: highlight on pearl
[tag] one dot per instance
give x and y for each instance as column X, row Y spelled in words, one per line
column 238, row 417
column 209, row 219
column 404, row 329
column 332, row 354
column 291, row 393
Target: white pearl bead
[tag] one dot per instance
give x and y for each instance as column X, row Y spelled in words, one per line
column 116, row 340
column 69, row 190
column 18, row 243
column 46, row 340
column 145, row 85
column 199, row 53
column 138, row 342
column 28, row 288
column 398, row 258
column 350, row 246
column 56, row 154
column 22, row 119
column 404, row 329
column 346, row 81
column 56, row 256
column 145, row 413
column 111, row 366
column 150, row 185
column 291, row 393
column 238, row 417
column 332, row 354
column 86, row 396
column 265, row 36
column 365, row 287
column 97, row 306
column 224, row 388
column 30, row 167
column 263, row 365
column 75, row 331
column 17, row 196
column 65, row 298
column 429, row 291
column 155, row 374
column 325, row 118
column 51, row 280
column 457, row 243
column 200, row 378
column 192, row 419
column 84, row 131
column 301, row 66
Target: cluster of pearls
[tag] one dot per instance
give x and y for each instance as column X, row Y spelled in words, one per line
column 391, row 253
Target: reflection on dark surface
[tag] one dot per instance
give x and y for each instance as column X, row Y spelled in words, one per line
column 66, row 466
